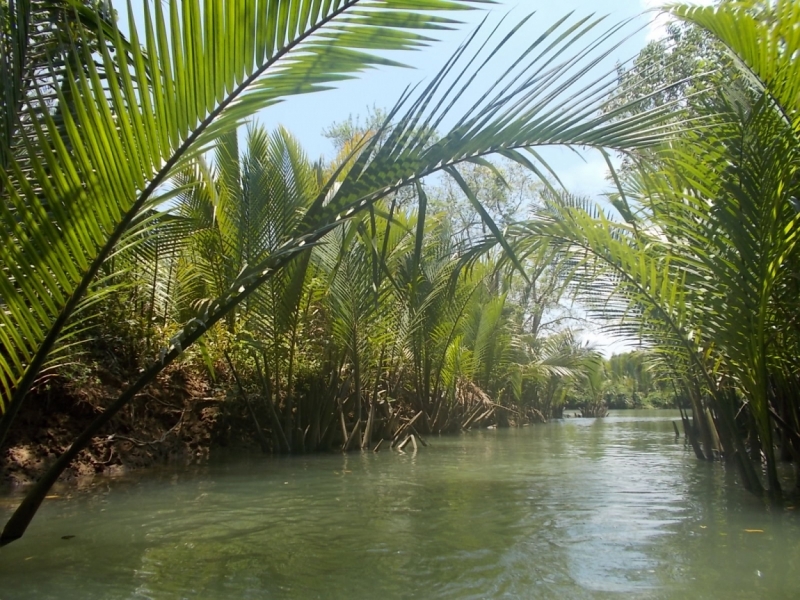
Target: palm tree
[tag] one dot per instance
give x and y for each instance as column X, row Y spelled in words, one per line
column 757, row 207
column 177, row 88
column 551, row 366
column 94, row 125
column 701, row 263
column 242, row 210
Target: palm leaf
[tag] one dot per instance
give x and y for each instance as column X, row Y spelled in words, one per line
column 152, row 101
column 763, row 36
column 527, row 110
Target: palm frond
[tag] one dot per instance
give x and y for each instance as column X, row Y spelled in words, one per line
column 764, row 37
column 152, row 100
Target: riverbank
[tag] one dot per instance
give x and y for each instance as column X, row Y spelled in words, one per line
column 185, row 416
column 177, row 420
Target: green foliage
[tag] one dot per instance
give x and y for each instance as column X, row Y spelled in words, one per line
column 702, row 265
column 677, row 68
column 74, row 220
column 192, row 72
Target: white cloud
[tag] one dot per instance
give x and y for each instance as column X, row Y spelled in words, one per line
column 587, row 178
column 660, row 20
column 606, row 344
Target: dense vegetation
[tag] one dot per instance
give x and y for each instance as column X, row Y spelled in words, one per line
column 410, row 286
column 702, row 262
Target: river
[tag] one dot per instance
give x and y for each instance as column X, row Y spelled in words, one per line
column 584, row 508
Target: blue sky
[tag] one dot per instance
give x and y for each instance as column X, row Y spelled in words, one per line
column 307, row 116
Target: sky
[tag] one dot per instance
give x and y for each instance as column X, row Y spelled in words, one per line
column 585, row 174
column 308, row 115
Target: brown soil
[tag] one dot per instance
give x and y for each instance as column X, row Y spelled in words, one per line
column 177, row 418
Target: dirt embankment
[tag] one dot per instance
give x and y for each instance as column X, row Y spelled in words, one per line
column 177, row 418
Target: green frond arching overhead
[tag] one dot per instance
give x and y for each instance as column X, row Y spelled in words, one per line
column 81, row 169
column 702, row 272
column 763, row 35
column 551, row 94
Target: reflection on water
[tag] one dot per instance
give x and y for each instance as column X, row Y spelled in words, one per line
column 579, row 509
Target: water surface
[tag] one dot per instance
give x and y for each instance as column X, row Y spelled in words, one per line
column 585, row 508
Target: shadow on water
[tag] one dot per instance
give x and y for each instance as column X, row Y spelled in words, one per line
column 583, row 508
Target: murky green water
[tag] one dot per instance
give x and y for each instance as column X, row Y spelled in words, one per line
column 581, row 509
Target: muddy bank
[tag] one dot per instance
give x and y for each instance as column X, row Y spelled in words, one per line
column 179, row 418
column 184, row 416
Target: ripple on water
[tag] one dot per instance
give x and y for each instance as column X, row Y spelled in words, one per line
column 586, row 508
